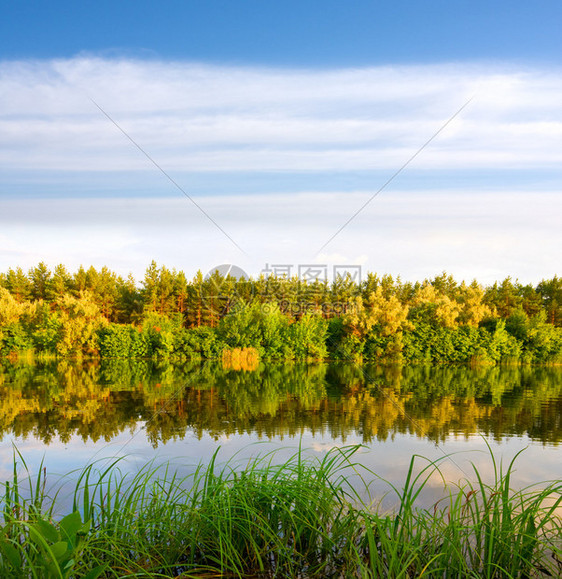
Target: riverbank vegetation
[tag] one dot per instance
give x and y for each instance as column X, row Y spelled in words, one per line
column 95, row 313
column 303, row 518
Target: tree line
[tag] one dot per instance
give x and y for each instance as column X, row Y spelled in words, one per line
column 95, row 312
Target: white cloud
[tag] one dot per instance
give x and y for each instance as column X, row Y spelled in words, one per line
column 228, row 124
column 206, row 118
column 485, row 235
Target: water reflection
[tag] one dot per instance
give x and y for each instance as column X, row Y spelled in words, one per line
column 98, row 401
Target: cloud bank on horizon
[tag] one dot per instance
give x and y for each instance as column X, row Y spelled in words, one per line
column 280, row 158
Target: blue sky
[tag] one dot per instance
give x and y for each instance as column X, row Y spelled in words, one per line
column 302, row 33
column 280, row 120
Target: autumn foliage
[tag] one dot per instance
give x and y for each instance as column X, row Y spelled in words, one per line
column 96, row 313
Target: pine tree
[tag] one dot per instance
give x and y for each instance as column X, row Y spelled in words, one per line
column 59, row 284
column 180, row 292
column 129, row 301
column 39, row 276
column 79, row 281
column 551, row 295
column 150, row 287
column 195, row 304
column 18, row 284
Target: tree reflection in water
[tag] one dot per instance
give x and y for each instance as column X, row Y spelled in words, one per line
column 97, row 401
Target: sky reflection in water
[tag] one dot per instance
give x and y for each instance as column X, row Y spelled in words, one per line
column 70, row 414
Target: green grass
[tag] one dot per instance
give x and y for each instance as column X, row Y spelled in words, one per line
column 302, row 518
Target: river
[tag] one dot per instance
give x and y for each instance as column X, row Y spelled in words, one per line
column 67, row 414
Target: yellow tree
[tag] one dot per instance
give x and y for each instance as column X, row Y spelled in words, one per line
column 10, row 309
column 473, row 309
column 388, row 313
column 435, row 306
column 81, row 319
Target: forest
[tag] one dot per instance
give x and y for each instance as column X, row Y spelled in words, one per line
column 95, row 313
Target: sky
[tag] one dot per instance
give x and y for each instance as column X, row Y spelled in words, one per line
column 403, row 137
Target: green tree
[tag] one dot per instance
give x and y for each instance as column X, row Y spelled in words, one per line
column 44, row 327
column 445, row 284
column 180, row 292
column 550, row 292
column 18, row 284
column 150, row 287
column 105, row 291
column 129, row 301
column 504, row 298
column 59, row 283
column 342, row 293
column 195, row 302
column 308, row 337
column 79, row 282
column 40, row 277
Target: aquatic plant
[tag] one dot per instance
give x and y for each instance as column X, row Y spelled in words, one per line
column 305, row 517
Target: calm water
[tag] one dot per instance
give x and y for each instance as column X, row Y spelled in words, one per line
column 69, row 414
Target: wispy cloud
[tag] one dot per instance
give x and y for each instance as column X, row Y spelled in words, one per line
column 312, row 133
column 204, row 118
column 486, row 235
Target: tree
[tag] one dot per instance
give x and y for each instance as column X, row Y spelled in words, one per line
column 59, row 284
column 472, row 307
column 150, row 287
column 129, row 301
column 387, row 314
column 10, row 309
column 80, row 322
column 18, row 284
column 504, row 298
column 308, row 337
column 39, row 276
column 445, row 284
column 180, row 292
column 79, row 281
column 531, row 301
column 430, row 305
column 370, row 284
column 550, row 292
column 342, row 293
column 195, row 305
column 165, row 291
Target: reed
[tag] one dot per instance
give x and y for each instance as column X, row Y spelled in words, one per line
column 301, row 518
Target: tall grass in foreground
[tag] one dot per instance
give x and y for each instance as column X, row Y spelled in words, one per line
column 298, row 519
